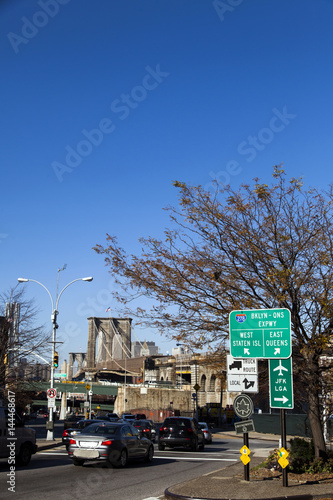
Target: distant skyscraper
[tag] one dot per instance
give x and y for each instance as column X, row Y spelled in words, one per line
column 144, row 349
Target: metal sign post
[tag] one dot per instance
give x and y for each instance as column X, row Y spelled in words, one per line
column 90, row 398
column 284, row 445
column 243, row 406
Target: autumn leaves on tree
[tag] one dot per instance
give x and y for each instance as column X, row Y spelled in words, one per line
column 258, row 247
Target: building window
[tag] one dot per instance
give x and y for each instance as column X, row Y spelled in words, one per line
column 212, row 383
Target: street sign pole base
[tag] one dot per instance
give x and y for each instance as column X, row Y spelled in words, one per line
column 247, row 466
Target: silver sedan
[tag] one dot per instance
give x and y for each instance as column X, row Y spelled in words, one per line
column 114, row 443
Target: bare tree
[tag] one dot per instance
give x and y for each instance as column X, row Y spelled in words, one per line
column 19, row 337
column 258, row 247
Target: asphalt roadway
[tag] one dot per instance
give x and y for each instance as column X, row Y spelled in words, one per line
column 229, row 484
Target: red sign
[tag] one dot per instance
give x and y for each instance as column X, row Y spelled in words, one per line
column 51, row 393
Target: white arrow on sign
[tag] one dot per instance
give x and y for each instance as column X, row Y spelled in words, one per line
column 283, row 399
column 246, row 351
column 277, row 351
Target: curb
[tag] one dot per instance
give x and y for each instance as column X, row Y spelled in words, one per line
column 46, row 445
column 169, row 496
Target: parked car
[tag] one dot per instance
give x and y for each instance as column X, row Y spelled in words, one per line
column 71, row 421
column 145, row 428
column 181, row 431
column 17, row 443
column 112, row 442
column 207, row 434
column 78, row 427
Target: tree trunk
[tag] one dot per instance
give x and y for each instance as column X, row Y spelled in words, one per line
column 316, row 424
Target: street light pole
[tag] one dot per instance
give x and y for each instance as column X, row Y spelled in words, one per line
column 54, row 314
column 196, row 388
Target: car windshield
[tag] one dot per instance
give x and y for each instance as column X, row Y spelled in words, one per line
column 203, row 425
column 178, row 422
column 100, row 429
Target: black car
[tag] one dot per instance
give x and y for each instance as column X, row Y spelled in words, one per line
column 140, row 416
column 111, row 442
column 77, row 428
column 145, row 428
column 71, row 421
column 113, row 417
column 181, row 431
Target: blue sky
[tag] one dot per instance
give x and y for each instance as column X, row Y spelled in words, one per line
column 104, row 104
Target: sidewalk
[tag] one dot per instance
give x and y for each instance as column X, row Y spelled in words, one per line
column 229, row 483
column 44, row 444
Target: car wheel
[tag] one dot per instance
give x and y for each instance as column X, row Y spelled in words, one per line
column 202, row 446
column 161, row 447
column 24, row 456
column 78, row 462
column 150, row 454
column 123, row 458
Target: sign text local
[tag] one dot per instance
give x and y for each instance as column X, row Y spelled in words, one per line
column 260, row 333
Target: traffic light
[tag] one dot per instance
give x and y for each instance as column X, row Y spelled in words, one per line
column 56, row 360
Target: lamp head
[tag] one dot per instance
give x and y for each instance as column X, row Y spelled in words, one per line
column 90, row 278
column 22, row 280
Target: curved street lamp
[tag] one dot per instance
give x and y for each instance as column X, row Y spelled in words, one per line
column 54, row 328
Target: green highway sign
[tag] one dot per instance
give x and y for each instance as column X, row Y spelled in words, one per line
column 281, row 383
column 260, row 333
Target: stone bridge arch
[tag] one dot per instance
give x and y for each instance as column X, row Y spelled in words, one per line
column 80, row 358
column 108, row 338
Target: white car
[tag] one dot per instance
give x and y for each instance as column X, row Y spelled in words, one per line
column 207, row 434
column 17, row 443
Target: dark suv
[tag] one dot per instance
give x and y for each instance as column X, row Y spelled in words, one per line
column 181, row 431
column 71, row 421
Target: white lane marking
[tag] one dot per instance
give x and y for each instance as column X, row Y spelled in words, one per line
column 203, row 459
column 212, row 453
column 211, row 459
column 153, row 498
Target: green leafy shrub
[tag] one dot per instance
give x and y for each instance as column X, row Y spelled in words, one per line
column 302, row 458
column 302, row 454
column 320, row 465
